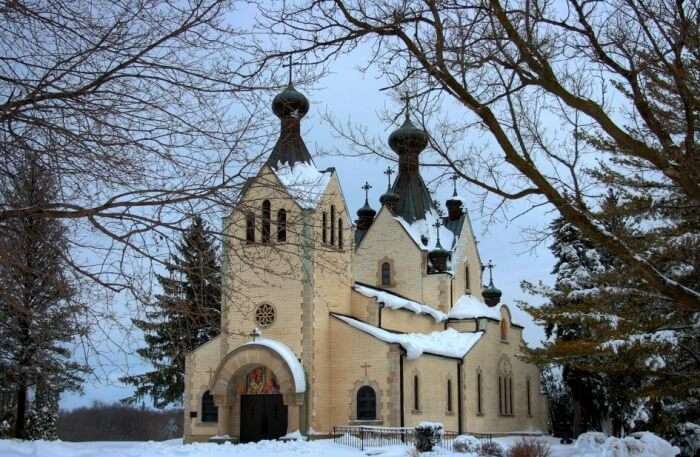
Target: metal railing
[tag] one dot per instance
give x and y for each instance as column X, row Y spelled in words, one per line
column 361, row 437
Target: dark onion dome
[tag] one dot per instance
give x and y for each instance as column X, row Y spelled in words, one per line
column 492, row 295
column 366, row 211
column 408, row 138
column 438, row 259
column 390, row 200
column 290, row 103
column 454, row 208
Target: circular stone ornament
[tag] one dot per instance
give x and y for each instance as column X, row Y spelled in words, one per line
column 265, row 315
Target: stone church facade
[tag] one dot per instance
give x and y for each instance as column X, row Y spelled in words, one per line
column 381, row 322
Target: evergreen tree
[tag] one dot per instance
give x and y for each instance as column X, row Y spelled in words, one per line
column 43, row 417
column 39, row 313
column 185, row 316
column 625, row 347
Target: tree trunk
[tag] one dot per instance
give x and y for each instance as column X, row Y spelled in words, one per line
column 20, row 431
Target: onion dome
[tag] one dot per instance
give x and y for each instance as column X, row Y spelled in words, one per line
column 454, row 203
column 390, row 200
column 438, row 259
column 290, row 106
column 492, row 294
column 408, row 138
column 290, row 103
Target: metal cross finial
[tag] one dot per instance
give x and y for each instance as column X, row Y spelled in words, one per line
column 388, row 172
column 407, row 102
column 290, row 65
column 490, row 266
column 366, row 188
column 454, row 179
column 437, row 226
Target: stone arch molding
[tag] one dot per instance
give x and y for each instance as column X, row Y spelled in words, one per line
column 247, row 357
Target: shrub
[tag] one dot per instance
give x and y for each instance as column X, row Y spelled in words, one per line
column 491, row 449
column 427, row 435
column 530, row 448
column 467, row 444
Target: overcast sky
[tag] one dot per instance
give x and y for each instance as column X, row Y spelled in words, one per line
column 350, row 95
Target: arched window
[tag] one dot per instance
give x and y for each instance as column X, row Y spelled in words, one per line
column 416, row 396
column 479, row 409
column 449, row 395
column 386, row 274
column 340, row 233
column 250, row 228
column 210, row 412
column 505, row 388
column 332, row 225
column 467, row 289
column 324, row 232
column 527, row 396
column 366, row 404
column 282, row 225
column 504, row 329
column 266, row 216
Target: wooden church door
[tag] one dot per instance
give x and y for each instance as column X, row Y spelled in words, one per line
column 263, row 417
column 263, row 413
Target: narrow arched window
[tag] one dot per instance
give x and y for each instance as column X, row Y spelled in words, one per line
column 479, row 409
column 504, row 329
column 266, row 216
column 501, row 393
column 282, row 225
column 250, row 228
column 386, row 274
column 340, row 233
column 467, row 289
column 324, row 232
column 210, row 412
column 527, row 396
column 449, row 395
column 366, row 403
column 332, row 225
column 416, row 396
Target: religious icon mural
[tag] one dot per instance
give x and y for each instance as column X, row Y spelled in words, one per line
column 259, row 381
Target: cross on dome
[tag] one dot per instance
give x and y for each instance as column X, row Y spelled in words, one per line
column 454, row 179
column 388, row 172
column 366, row 188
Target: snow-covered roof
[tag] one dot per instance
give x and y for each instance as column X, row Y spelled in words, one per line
column 289, row 357
column 448, row 343
column 470, row 307
column 423, row 229
column 393, row 301
column 304, row 182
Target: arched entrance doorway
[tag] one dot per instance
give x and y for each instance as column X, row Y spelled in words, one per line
column 259, row 389
column 263, row 413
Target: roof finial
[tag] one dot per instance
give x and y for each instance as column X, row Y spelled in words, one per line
column 437, row 226
column 490, row 266
column 366, row 188
column 454, row 179
column 407, row 102
column 388, row 172
column 290, row 65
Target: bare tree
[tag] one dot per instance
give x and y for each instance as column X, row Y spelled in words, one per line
column 565, row 92
column 144, row 110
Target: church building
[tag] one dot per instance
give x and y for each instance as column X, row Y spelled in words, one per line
column 326, row 322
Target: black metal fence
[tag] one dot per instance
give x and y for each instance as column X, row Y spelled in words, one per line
column 362, row 437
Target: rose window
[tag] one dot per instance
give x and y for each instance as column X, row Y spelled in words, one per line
column 265, row 315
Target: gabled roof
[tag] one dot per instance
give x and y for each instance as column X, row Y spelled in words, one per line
column 395, row 301
column 446, row 343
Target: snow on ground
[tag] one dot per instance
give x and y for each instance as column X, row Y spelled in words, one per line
column 607, row 447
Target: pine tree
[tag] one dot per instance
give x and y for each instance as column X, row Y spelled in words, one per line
column 631, row 350
column 185, row 316
column 39, row 310
column 43, row 417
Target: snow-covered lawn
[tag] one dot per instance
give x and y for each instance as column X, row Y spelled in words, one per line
column 324, row 448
